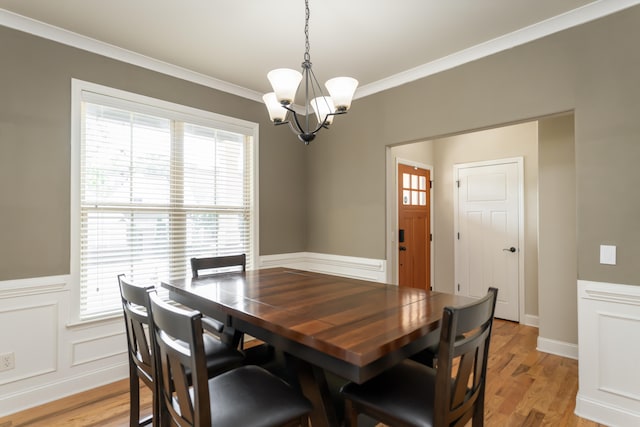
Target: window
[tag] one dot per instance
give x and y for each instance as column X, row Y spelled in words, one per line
column 156, row 184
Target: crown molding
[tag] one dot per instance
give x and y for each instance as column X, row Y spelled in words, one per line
column 576, row 17
column 57, row 34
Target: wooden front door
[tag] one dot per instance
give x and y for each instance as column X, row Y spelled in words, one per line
column 414, row 223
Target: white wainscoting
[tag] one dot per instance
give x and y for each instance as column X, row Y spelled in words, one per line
column 357, row 268
column 609, row 351
column 53, row 359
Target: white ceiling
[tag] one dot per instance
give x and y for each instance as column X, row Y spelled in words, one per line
column 232, row 44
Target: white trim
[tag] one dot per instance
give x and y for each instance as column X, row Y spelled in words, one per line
column 608, row 319
column 33, row 286
column 102, row 355
column 57, row 389
column 531, row 320
column 390, row 209
column 559, row 348
column 48, row 327
column 346, row 266
column 604, row 413
column 608, row 292
column 60, row 35
column 521, row 244
column 579, row 16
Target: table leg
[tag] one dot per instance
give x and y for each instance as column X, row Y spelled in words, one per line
column 314, row 386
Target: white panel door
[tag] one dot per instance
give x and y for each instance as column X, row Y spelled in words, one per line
column 488, row 235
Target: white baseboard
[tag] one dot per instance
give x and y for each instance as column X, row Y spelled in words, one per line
column 559, row 348
column 354, row 267
column 604, row 413
column 531, row 320
column 47, row 392
column 546, row 345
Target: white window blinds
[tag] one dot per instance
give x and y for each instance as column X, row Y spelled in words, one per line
column 156, row 190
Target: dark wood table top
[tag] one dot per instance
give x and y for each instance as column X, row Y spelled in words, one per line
column 354, row 328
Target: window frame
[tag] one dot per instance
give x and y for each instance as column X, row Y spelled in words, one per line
column 92, row 92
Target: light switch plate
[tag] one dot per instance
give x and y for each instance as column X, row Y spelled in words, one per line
column 608, row 254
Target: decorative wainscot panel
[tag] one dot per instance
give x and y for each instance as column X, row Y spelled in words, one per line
column 43, row 356
column 609, row 353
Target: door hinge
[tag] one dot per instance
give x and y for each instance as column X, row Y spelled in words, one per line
column 458, row 183
column 430, row 237
column 458, row 236
column 431, row 184
column 458, row 287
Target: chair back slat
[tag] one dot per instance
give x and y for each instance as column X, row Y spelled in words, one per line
column 181, row 387
column 209, row 263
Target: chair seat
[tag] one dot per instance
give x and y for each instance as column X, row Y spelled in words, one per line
column 252, row 397
column 412, row 386
column 220, row 356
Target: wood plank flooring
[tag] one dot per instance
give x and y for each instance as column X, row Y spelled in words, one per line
column 524, row 388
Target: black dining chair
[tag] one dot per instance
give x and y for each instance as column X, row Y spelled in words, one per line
column 141, row 364
column 217, row 262
column 135, row 304
column 413, row 394
column 260, row 354
column 246, row 396
column 214, row 265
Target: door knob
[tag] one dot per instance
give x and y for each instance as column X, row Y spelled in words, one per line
column 511, row 249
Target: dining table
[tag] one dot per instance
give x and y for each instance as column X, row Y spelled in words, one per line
column 349, row 327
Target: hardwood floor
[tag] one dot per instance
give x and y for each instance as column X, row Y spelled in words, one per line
column 524, row 388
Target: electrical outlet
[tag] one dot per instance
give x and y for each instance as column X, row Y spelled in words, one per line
column 7, row 361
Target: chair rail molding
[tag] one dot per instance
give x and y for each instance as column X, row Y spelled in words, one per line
column 609, row 350
column 339, row 265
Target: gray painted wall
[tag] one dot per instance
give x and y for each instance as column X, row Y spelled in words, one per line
column 592, row 69
column 330, row 197
column 557, row 252
column 35, row 114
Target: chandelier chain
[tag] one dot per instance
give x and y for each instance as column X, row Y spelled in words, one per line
column 307, row 56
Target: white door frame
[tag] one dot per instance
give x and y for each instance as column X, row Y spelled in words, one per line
column 392, row 216
column 521, row 252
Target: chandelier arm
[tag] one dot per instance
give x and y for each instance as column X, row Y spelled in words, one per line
column 321, row 125
column 295, row 118
column 305, row 136
column 307, row 73
column 294, row 128
column 297, row 128
column 314, row 80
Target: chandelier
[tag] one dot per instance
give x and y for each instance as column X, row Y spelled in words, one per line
column 285, row 82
